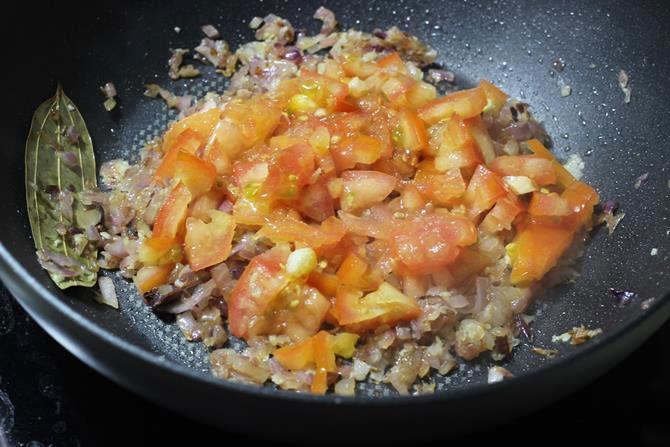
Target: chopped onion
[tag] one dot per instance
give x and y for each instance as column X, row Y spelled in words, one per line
column 498, row 374
column 201, row 293
column 107, row 292
column 210, row 31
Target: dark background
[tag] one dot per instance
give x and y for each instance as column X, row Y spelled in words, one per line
column 58, row 401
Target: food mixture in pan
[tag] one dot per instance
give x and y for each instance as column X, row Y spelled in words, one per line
column 342, row 217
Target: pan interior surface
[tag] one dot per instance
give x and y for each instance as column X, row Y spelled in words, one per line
column 513, row 44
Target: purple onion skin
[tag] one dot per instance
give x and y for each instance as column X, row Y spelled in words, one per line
column 523, row 328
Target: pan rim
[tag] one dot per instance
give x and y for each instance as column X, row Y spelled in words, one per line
column 14, row 273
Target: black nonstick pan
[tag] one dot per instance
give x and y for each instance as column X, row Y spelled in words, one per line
column 514, row 44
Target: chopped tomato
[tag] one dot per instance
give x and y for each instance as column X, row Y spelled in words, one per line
column 395, row 89
column 152, row 276
column 324, row 361
column 484, row 189
column 296, row 356
column 202, row 205
column 581, row 199
column 495, row 97
column 468, row 263
column 260, row 284
column 537, row 168
column 284, row 228
column 427, row 243
column 362, row 189
column 189, row 142
column 536, row 249
column 482, row 138
column 199, row 124
column 198, row 175
column 290, row 172
column 502, row 215
column 159, row 251
column 457, row 149
column 548, row 204
column 420, row 94
column 412, row 133
column 327, row 283
column 170, row 218
column 355, row 66
column 464, row 103
column 385, row 306
column 563, row 176
column 207, row 244
column 350, row 151
column 355, row 273
column 392, row 63
column 439, row 188
column 316, row 202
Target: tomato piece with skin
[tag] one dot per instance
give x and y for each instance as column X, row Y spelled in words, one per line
column 202, row 205
column 392, row 63
column 327, row 283
column 149, row 277
column 495, row 97
column 484, row 189
column 200, row 124
column 171, row 216
column 208, row 244
column 350, row 151
column 360, row 313
column 324, row 361
column 464, row 103
column 540, row 170
column 290, row 172
column 189, row 142
column 581, row 199
column 198, row 175
column 440, row 188
column 536, row 248
column 563, row 176
column 480, row 135
column 316, row 202
column 502, row 215
column 548, row 204
column 362, row 189
column 159, row 251
column 258, row 287
column 297, row 312
column 457, row 149
column 468, row 263
column 354, row 272
column 284, row 228
column 427, row 243
column 412, row 134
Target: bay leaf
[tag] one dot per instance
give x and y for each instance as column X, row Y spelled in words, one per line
column 60, row 164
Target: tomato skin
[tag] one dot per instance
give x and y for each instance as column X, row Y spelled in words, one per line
column 428, row 243
column 208, row 244
column 464, row 103
column 537, row 168
column 260, row 284
column 484, row 189
column 198, row 175
column 362, row 189
column 170, row 218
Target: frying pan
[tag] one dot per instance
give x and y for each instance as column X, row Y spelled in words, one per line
column 511, row 43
